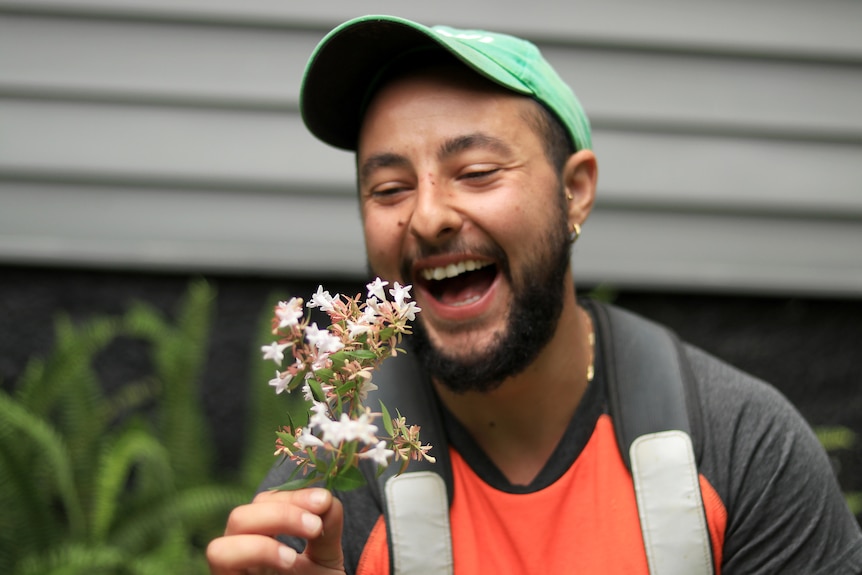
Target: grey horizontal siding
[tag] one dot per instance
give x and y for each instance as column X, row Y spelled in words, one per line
column 199, row 147
column 828, row 29
column 181, row 229
column 257, row 231
column 165, row 135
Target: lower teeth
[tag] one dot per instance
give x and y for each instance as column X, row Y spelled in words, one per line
column 467, row 301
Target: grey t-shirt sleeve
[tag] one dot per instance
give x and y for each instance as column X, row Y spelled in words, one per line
column 785, row 511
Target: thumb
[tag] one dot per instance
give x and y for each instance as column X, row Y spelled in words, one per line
column 325, row 550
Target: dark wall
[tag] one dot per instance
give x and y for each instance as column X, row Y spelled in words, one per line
column 809, row 348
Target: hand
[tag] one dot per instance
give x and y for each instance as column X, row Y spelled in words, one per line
column 248, row 545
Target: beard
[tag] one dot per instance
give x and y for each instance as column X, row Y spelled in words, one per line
column 537, row 303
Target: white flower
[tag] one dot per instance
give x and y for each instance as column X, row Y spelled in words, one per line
column 346, row 429
column 322, row 339
column 400, row 293
column 375, row 289
column 362, row 428
column 306, row 439
column 320, row 361
column 306, row 391
column 280, row 381
column 371, row 313
column 366, row 388
column 322, row 299
column 378, row 453
column 289, row 313
column 408, row 310
column 274, row 351
column 355, row 329
column 320, row 419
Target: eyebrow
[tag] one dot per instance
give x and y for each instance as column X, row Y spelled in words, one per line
column 379, row 161
column 449, row 148
column 471, row 141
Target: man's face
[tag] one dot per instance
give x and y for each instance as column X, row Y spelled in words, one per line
column 459, row 199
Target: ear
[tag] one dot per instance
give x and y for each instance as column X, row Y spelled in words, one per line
column 580, row 176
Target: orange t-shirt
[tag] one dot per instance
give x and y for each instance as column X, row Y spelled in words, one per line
column 585, row 522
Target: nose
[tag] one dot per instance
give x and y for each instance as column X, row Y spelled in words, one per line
column 435, row 218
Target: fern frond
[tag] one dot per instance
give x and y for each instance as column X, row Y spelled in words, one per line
column 27, row 518
column 74, row 559
column 180, row 354
column 201, row 510
column 131, row 396
column 64, row 390
column 145, row 322
column 174, row 555
column 73, row 353
column 52, row 448
column 82, row 422
column 134, row 446
column 204, row 509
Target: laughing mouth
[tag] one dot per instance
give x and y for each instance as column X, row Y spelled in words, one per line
column 459, row 284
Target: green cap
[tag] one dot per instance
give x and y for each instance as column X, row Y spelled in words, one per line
column 346, row 64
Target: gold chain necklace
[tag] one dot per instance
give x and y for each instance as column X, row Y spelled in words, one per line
column 592, row 339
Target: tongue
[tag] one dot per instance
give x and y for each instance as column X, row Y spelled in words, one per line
column 465, row 288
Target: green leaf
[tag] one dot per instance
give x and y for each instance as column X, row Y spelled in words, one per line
column 347, row 480
column 342, row 389
column 294, row 484
column 348, row 450
column 387, row 420
column 323, row 374
column 338, row 359
column 285, row 437
column 362, row 354
column 298, row 411
column 316, row 389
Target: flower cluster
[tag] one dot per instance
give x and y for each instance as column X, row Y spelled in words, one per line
column 332, row 368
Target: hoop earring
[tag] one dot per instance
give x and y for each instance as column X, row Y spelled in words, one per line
column 576, row 233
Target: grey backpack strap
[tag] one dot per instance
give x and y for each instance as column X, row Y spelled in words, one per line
column 647, row 382
column 417, row 516
column 670, row 508
column 416, row 503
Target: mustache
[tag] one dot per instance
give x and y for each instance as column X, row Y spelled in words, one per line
column 456, row 246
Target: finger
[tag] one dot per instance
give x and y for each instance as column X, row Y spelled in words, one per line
column 316, row 500
column 325, row 550
column 237, row 554
column 273, row 517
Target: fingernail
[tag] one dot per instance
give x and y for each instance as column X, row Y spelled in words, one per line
column 311, row 522
column 318, row 497
column 286, row 555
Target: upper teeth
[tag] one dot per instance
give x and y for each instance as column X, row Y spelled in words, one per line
column 453, row 270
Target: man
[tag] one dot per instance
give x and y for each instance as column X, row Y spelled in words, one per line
column 475, row 175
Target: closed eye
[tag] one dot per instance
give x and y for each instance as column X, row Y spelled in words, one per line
column 384, row 193
column 475, row 175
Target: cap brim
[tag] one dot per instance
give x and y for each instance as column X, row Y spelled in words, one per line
column 346, row 63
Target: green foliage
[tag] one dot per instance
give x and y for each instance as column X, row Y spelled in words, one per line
column 605, row 293
column 835, row 439
column 91, row 483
